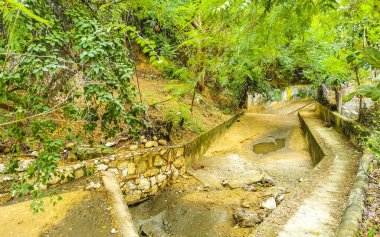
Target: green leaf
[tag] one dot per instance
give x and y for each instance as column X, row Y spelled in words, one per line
column 349, row 97
column 28, row 12
column 369, row 92
column 372, row 56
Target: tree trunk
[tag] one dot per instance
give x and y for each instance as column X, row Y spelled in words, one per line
column 338, row 99
column 360, row 97
column 192, row 101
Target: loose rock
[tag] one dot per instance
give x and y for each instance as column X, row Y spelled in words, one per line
column 4, row 197
column 23, row 165
column 280, row 198
column 110, row 144
column 2, row 168
column 149, row 144
column 268, row 180
column 246, row 218
column 153, row 229
column 133, row 147
column 93, row 186
column 270, row 203
column 250, row 188
column 162, row 142
column 102, row 167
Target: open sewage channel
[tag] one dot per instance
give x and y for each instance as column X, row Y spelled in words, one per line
column 232, row 188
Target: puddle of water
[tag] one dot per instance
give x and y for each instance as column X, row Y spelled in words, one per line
column 267, row 147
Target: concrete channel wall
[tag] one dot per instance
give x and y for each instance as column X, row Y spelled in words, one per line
column 353, row 131
column 199, row 145
column 257, row 102
column 317, row 152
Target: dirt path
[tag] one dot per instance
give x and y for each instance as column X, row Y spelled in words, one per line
column 79, row 213
column 18, row 219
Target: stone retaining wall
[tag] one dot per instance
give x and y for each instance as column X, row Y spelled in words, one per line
column 352, row 216
column 140, row 174
column 353, row 131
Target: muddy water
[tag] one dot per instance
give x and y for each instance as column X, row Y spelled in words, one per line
column 237, row 172
column 267, row 147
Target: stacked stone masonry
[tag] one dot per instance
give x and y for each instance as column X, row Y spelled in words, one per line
column 141, row 173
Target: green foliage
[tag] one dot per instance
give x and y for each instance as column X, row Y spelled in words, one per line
column 18, row 6
column 373, row 143
column 242, row 46
column 366, row 91
column 373, row 140
column 73, row 58
column 372, row 57
column 181, row 117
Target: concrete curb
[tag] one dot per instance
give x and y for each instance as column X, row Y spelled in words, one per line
column 195, row 148
column 352, row 216
column 119, row 209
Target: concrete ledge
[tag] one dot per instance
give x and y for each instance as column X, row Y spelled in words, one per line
column 352, row 216
column 199, row 145
column 353, row 131
column 317, row 151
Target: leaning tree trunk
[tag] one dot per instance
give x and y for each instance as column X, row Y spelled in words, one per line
column 361, row 112
column 338, row 99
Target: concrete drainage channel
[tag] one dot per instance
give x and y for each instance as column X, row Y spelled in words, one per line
column 203, row 205
column 236, row 189
column 241, row 178
column 235, row 180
